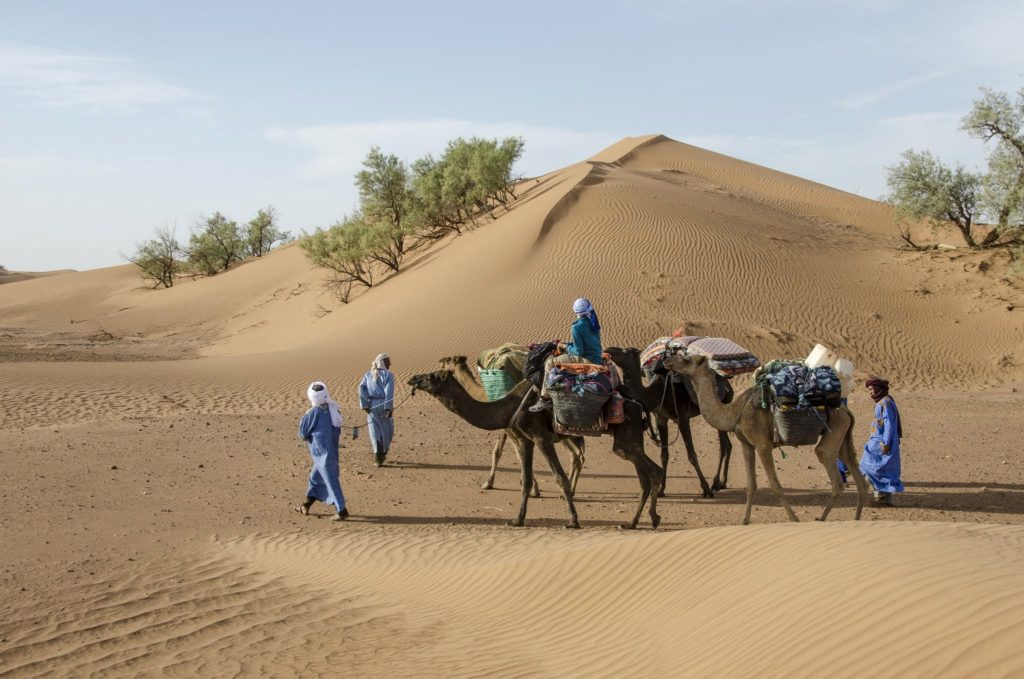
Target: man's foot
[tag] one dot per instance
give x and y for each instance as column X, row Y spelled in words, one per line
column 303, row 509
column 883, row 500
column 340, row 516
column 540, row 406
column 378, row 459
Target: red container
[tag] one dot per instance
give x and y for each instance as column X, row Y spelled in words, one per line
column 615, row 409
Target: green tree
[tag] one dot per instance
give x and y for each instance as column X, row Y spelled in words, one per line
column 995, row 118
column 216, row 245
column 262, row 232
column 343, row 250
column 157, row 258
column 387, row 206
column 922, row 187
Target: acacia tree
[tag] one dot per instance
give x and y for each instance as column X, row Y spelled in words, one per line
column 157, row 258
column 995, row 118
column 262, row 232
column 342, row 250
column 922, row 187
column 216, row 245
column 386, row 203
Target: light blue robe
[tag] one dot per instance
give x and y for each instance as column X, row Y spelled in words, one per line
column 379, row 396
column 316, row 430
column 881, row 460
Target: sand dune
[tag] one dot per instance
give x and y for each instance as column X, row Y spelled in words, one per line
column 776, row 600
column 137, row 423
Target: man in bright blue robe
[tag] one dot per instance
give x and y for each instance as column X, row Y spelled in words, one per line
column 377, row 399
column 320, row 428
column 880, row 462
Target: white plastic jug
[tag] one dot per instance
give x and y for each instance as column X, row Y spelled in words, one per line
column 820, row 355
column 844, row 369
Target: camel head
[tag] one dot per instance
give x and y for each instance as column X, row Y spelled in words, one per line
column 430, row 382
column 448, row 361
column 688, row 365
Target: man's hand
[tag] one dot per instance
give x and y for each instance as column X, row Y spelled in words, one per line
column 387, row 414
column 366, row 410
column 885, row 449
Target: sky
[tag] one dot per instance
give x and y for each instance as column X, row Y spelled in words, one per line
column 117, row 118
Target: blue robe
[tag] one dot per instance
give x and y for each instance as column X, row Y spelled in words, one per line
column 379, row 396
column 881, row 459
column 316, row 430
column 586, row 342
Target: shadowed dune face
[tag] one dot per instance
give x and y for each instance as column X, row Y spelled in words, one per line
column 151, row 461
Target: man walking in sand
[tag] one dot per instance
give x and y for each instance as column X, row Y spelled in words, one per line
column 377, row 399
column 320, row 428
column 881, row 460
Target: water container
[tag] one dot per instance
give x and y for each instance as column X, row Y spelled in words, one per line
column 820, row 355
column 615, row 409
column 844, row 369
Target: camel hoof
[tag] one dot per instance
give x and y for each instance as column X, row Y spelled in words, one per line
column 661, row 493
column 574, row 525
column 627, row 526
column 515, row 524
column 535, row 493
column 655, row 521
column 487, row 486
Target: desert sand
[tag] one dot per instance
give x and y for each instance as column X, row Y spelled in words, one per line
column 151, row 461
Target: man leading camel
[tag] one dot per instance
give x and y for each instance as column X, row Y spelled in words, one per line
column 377, row 399
column 881, row 460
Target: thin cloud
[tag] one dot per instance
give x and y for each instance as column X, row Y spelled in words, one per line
column 91, row 82
column 866, row 98
column 339, row 148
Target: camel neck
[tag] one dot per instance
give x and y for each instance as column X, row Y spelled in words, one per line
column 489, row 415
column 721, row 416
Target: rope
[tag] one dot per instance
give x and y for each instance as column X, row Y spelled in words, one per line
column 397, row 406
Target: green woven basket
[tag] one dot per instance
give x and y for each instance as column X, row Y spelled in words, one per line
column 497, row 383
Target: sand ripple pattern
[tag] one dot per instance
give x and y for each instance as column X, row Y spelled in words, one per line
column 773, row 600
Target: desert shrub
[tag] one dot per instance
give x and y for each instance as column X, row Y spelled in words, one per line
column 262, row 233
column 987, row 208
column 157, row 258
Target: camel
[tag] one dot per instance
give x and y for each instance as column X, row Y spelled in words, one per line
column 753, row 428
column 535, row 430
column 459, row 366
column 669, row 401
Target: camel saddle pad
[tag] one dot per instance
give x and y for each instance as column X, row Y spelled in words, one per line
column 719, row 348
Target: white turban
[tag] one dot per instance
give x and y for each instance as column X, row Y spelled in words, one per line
column 582, row 306
column 378, row 364
column 319, row 397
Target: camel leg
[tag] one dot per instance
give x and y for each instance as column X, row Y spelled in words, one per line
column 655, row 477
column 526, row 456
column 547, row 449
column 499, row 445
column 724, row 454
column 768, row 462
column 691, row 454
column 829, row 455
column 663, row 440
column 645, row 492
column 579, row 454
column 535, row 491
column 748, row 461
column 849, row 457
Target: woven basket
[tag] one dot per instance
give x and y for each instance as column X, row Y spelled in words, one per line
column 799, row 426
column 497, row 383
column 579, row 411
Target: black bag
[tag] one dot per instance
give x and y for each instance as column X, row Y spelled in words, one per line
column 534, row 368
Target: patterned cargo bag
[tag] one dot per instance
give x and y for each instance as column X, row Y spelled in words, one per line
column 578, row 393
